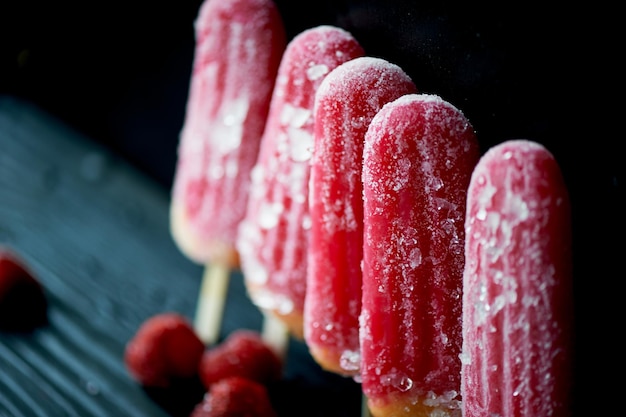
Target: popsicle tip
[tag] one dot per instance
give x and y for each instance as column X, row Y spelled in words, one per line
column 351, row 75
column 293, row 323
column 427, row 405
column 195, row 249
column 345, row 363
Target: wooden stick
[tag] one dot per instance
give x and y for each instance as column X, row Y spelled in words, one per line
column 211, row 302
column 275, row 334
column 365, row 411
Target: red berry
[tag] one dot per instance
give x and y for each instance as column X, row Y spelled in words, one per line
column 165, row 348
column 235, row 397
column 23, row 304
column 244, row 354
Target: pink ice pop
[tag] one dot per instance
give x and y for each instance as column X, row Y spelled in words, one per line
column 239, row 44
column 419, row 154
column 345, row 103
column 273, row 238
column 517, row 300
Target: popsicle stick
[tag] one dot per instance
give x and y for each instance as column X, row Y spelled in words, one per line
column 275, row 334
column 365, row 411
column 211, row 302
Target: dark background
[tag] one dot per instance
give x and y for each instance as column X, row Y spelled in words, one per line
column 118, row 71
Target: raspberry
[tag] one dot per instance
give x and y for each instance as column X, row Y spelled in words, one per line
column 164, row 349
column 244, row 354
column 23, row 304
column 235, row 397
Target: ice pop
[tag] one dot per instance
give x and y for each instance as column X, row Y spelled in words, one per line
column 273, row 238
column 239, row 44
column 418, row 157
column 517, row 300
column 345, row 103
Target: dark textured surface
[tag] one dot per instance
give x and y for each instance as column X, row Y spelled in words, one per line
column 95, row 232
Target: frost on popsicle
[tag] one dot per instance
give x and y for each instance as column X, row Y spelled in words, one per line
column 273, row 237
column 418, row 156
column 517, row 319
column 239, row 44
column 346, row 101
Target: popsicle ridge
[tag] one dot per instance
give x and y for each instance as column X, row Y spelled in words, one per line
column 345, row 103
column 239, row 44
column 273, row 237
column 517, row 351
column 418, row 156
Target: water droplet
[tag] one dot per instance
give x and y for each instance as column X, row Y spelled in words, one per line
column 91, row 387
column 415, row 257
column 403, row 383
column 435, row 183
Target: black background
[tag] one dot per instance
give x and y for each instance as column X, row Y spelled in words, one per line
column 119, row 72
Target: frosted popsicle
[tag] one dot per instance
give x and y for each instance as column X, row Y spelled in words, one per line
column 417, row 161
column 273, row 238
column 517, row 301
column 345, row 103
column 239, row 44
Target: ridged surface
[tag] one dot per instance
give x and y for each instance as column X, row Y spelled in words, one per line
column 95, row 233
column 517, row 286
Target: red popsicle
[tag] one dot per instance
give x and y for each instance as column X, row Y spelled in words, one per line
column 517, row 301
column 239, row 45
column 273, row 239
column 345, row 103
column 417, row 161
